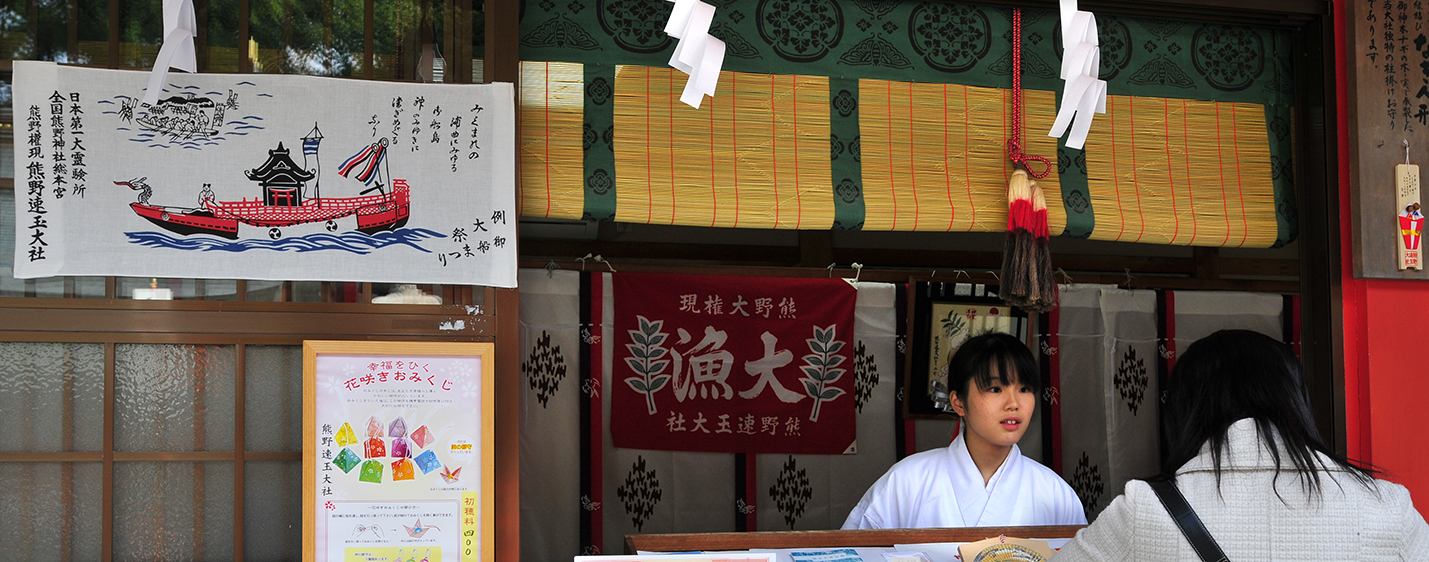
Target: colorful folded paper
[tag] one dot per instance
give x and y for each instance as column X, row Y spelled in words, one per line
column 400, row 448
column 402, row 470
column 371, row 472
column 374, row 448
column 346, row 436
column 346, row 460
column 428, row 462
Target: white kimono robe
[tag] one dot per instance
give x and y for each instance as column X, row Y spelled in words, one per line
column 943, row 488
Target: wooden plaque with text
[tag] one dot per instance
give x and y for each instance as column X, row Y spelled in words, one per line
column 1388, row 85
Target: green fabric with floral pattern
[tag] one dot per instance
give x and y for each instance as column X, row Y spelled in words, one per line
column 931, row 42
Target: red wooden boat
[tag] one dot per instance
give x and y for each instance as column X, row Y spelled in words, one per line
column 375, row 213
column 283, row 182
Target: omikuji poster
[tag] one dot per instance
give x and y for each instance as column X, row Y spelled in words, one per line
column 733, row 364
column 250, row 176
column 399, row 457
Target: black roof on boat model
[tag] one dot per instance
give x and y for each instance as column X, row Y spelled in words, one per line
column 279, row 163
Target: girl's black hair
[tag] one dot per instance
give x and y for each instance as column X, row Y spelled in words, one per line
column 990, row 356
column 1232, row 375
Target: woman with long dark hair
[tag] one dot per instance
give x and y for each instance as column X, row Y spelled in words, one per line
column 1244, row 454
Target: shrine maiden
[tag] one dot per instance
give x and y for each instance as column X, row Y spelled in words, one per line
column 982, row 479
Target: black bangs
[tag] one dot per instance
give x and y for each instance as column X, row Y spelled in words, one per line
column 992, row 358
column 999, row 369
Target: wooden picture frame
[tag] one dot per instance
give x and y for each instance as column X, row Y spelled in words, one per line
column 930, row 305
column 431, row 382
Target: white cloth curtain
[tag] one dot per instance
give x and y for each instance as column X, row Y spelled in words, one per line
column 550, row 414
column 1198, row 314
column 836, row 482
column 1108, row 389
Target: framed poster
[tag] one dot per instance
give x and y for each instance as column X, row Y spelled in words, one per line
column 398, row 441
column 941, row 317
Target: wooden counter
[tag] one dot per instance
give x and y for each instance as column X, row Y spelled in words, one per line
column 833, row 539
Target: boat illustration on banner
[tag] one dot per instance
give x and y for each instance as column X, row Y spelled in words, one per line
column 285, row 200
column 184, row 116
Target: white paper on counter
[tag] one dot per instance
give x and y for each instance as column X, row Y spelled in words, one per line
column 868, row 554
column 936, row 551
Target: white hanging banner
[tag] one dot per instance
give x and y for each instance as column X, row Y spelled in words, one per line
column 244, row 176
column 1084, row 92
column 178, row 49
column 698, row 54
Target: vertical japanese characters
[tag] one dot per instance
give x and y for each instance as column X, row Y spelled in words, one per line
column 326, row 441
column 76, row 150
column 61, row 172
column 1396, row 27
column 475, row 236
column 35, row 184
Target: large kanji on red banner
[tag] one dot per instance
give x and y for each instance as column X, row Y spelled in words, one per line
column 733, row 364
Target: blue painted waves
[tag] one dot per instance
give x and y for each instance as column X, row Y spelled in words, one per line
column 353, row 242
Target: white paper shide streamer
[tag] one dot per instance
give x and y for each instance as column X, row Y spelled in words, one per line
column 1084, row 92
column 697, row 53
column 178, row 49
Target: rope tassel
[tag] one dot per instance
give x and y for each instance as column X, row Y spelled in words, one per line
column 1026, row 256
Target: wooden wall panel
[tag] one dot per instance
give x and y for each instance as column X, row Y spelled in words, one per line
column 1388, row 68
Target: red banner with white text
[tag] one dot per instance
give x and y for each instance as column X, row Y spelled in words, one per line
column 733, row 364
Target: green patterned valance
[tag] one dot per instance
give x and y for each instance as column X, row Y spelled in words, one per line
column 923, row 42
column 849, row 41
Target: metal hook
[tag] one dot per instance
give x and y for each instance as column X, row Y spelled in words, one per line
column 1406, row 152
column 1065, row 277
column 551, row 268
column 598, row 259
column 964, row 273
column 583, row 259
column 831, row 269
column 857, row 271
column 995, row 275
column 1128, row 277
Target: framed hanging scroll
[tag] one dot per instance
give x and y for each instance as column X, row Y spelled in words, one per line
column 1388, row 106
column 941, row 317
column 398, row 441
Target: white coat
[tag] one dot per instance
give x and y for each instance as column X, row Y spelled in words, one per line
column 1248, row 521
column 943, row 488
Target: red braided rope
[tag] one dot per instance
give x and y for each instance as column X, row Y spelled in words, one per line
column 1014, row 145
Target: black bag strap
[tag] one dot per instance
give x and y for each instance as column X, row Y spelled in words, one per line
column 1188, row 522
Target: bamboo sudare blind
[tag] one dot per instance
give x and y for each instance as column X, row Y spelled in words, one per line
column 873, row 120
column 757, row 157
column 934, row 159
